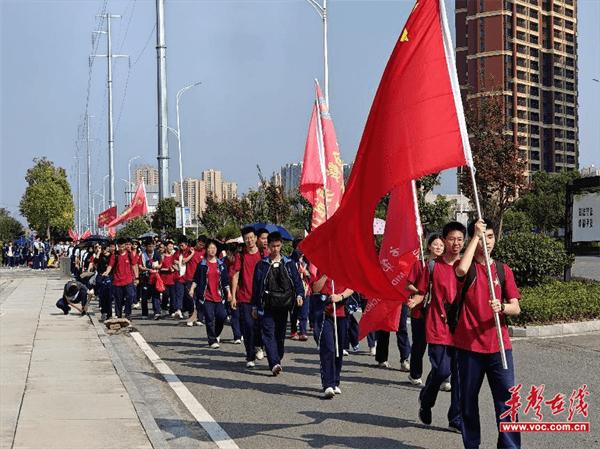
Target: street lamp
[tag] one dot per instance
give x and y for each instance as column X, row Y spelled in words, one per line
column 129, row 172
column 177, row 133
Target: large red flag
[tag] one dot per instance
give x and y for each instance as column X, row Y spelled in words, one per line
column 415, row 127
column 399, row 251
column 322, row 168
column 106, row 216
column 85, row 235
column 137, row 208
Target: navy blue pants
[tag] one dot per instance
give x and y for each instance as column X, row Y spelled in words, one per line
column 124, row 295
column 149, row 293
column 402, row 340
column 247, row 324
column 331, row 366
column 472, row 367
column 235, row 322
column 352, row 339
column 419, row 345
column 188, row 301
column 200, row 314
column 273, row 325
column 215, row 320
column 299, row 318
column 175, row 293
column 443, row 364
column 105, row 296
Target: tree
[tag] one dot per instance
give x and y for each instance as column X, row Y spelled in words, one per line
column 435, row 215
column 163, row 219
column 500, row 170
column 10, row 228
column 544, row 204
column 134, row 228
column 47, row 202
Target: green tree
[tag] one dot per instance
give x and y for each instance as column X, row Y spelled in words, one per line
column 501, row 171
column 435, row 215
column 544, row 203
column 134, row 228
column 163, row 219
column 47, row 202
column 516, row 221
column 10, row 228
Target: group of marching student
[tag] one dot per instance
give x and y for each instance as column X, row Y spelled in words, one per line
column 452, row 315
column 259, row 289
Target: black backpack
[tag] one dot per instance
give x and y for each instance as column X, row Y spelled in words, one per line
column 279, row 291
column 427, row 299
column 453, row 310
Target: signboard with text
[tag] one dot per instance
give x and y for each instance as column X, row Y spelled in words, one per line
column 586, row 217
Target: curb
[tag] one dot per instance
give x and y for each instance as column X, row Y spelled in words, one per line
column 152, row 430
column 555, row 330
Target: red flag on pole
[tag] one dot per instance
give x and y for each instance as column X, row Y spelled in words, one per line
column 415, row 127
column 73, row 235
column 85, row 235
column 105, row 217
column 399, row 251
column 322, row 169
column 137, row 208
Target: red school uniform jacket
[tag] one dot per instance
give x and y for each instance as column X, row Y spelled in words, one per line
column 443, row 290
column 476, row 329
column 244, row 291
column 122, row 268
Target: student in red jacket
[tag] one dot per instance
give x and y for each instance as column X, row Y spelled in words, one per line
column 124, row 269
column 475, row 337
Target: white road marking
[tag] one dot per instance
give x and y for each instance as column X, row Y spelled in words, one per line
column 214, row 430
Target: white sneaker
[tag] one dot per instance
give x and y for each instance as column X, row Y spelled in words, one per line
column 345, row 353
column 215, row 345
column 237, row 342
column 446, row 386
column 276, row 370
column 405, row 366
column 189, row 323
column 329, row 393
column 260, row 354
column 373, row 350
column 178, row 315
column 384, row 365
column 218, row 339
column 250, row 364
column 337, row 390
column 137, row 305
column 417, row 382
column 198, row 323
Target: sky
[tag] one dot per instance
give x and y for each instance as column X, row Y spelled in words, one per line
column 256, row 60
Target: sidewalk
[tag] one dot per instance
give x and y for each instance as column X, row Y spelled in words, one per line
column 58, row 386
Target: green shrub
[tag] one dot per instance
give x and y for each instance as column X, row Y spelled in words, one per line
column 534, row 258
column 558, row 301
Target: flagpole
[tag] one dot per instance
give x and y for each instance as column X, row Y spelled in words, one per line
column 324, row 174
column 418, row 220
column 322, row 11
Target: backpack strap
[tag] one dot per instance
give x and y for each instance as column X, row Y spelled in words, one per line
column 501, row 273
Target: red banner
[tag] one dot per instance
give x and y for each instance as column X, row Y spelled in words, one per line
column 105, row 217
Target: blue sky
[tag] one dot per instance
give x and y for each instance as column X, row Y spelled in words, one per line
column 256, row 60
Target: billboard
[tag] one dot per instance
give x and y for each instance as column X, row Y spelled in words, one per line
column 188, row 217
column 586, row 217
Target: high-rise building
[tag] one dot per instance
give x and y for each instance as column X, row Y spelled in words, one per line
column 290, row 178
column 229, row 190
column 148, row 173
column 214, row 183
column 347, row 169
column 194, row 194
column 526, row 51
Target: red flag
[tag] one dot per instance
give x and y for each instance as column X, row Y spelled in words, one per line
column 73, row 235
column 105, row 217
column 415, row 127
column 85, row 235
column 399, row 251
column 137, row 208
column 322, row 169
column 112, row 232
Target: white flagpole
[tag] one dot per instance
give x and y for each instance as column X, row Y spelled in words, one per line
column 448, row 48
column 321, row 145
column 418, row 220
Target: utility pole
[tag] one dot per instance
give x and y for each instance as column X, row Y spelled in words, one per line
column 109, row 55
column 163, row 144
column 78, row 192
column 89, row 169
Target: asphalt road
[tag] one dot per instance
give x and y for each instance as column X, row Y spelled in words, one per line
column 378, row 407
